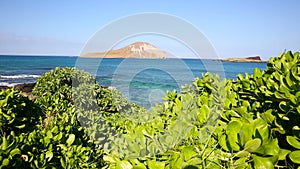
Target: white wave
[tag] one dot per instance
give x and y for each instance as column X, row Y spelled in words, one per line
column 112, row 88
column 21, row 76
column 8, row 84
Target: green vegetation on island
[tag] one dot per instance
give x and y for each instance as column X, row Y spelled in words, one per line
column 252, row 121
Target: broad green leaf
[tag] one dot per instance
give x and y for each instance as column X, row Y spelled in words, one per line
column 123, row 165
column 242, row 153
column 139, row 166
column 152, row 164
column 262, row 162
column 232, row 131
column 223, row 143
column 5, row 162
column 271, row 148
column 293, row 141
column 256, row 73
column 252, row 145
column 188, row 153
column 268, row 116
column 296, row 128
column 241, row 163
column 283, row 153
column 176, row 161
column 295, row 156
column 49, row 134
column 71, row 139
column 54, row 129
column 109, row 159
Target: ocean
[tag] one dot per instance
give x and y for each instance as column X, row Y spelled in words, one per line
column 143, row 81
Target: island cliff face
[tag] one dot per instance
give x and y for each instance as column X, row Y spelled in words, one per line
column 134, row 50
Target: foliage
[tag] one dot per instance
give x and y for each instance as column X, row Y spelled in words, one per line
column 17, row 113
column 249, row 122
column 257, row 127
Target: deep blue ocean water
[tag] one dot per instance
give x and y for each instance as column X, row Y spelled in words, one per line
column 143, row 81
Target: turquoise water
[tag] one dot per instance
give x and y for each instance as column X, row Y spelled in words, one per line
column 143, row 81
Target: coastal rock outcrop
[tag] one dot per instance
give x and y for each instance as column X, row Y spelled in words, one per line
column 254, row 58
column 26, row 88
column 247, row 59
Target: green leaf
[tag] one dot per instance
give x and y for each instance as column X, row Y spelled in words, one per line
column 293, row 141
column 5, row 162
column 252, row 145
column 283, row 153
column 123, row 165
column 139, row 166
column 4, row 143
column 63, row 163
column 49, row 155
column 21, row 126
column 271, row 148
column 241, row 163
column 152, row 164
column 268, row 116
column 15, row 152
column 54, row 129
column 256, row 73
column 146, row 134
column 176, row 161
column 222, row 142
column 290, row 82
column 295, row 156
column 109, row 159
column 242, row 153
column 232, row 131
column 262, row 162
column 188, row 153
column 71, row 139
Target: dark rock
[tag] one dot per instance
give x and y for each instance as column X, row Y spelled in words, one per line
column 254, row 58
column 26, row 88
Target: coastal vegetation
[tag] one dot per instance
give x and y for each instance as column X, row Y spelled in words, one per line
column 252, row 121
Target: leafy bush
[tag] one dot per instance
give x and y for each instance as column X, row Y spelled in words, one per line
column 17, row 113
column 249, row 122
column 273, row 95
column 258, row 126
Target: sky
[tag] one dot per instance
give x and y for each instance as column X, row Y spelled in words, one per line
column 234, row 28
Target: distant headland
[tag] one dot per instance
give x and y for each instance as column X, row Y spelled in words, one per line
column 134, row 50
column 247, row 59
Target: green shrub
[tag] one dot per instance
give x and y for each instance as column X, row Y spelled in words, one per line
column 258, row 126
column 17, row 113
column 273, row 95
column 249, row 122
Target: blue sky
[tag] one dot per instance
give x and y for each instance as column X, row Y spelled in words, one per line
column 235, row 28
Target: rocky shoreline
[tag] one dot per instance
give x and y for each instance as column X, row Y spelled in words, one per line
column 26, row 88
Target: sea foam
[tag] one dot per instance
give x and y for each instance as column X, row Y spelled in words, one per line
column 21, row 76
